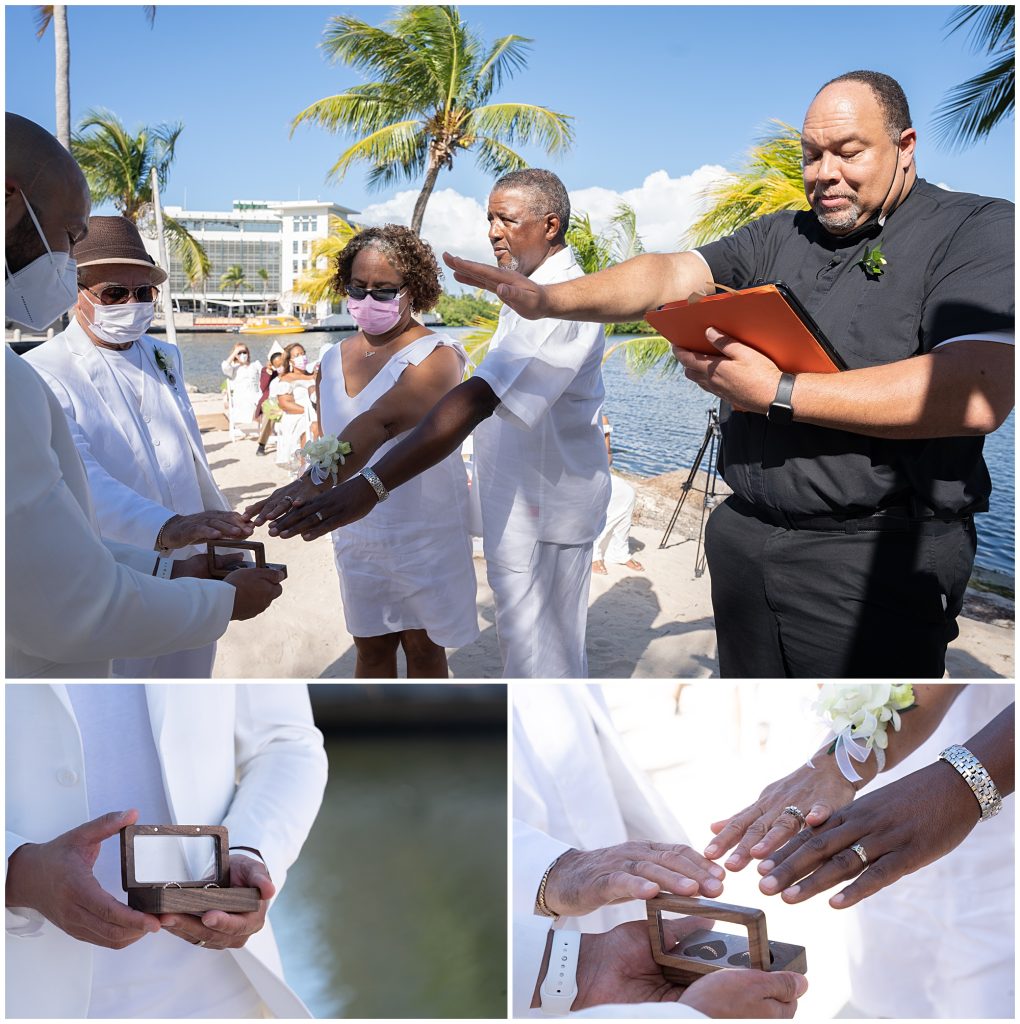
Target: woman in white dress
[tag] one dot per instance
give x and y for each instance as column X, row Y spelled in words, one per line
column 291, row 392
column 243, row 375
column 406, row 575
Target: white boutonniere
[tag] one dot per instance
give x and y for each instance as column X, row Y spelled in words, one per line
column 325, row 456
column 164, row 363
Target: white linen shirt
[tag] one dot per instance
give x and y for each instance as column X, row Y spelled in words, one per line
column 543, row 473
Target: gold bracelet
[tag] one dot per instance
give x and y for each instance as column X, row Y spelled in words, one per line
column 541, row 907
column 159, row 537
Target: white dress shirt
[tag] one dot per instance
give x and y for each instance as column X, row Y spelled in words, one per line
column 543, row 473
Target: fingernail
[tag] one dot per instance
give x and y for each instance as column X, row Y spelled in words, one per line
column 710, row 850
column 769, row 885
column 757, row 848
column 766, row 866
column 838, row 900
column 711, row 885
column 794, row 890
column 733, row 862
column 716, row 870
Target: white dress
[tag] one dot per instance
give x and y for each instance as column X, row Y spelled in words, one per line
column 290, row 428
column 244, row 383
column 407, row 564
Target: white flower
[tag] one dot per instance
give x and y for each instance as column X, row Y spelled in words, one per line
column 324, row 456
column 864, row 710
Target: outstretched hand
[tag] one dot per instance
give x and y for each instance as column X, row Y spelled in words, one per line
column 350, row 501
column 282, row 500
column 520, row 293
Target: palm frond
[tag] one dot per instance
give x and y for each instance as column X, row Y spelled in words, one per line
column 645, row 353
column 317, row 282
column 150, row 14
column 991, row 25
column 364, row 108
column 494, row 158
column 626, row 242
column 397, row 151
column 476, row 344
column 527, row 123
column 43, row 17
column 507, row 56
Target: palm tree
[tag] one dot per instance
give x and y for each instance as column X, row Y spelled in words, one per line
column 117, row 166
column 770, row 180
column 234, row 279
column 317, row 282
column 263, row 276
column 972, row 109
column 431, row 100
column 57, row 14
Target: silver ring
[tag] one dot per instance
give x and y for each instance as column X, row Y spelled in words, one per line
column 859, row 850
column 287, row 497
column 797, row 813
column 318, row 515
column 201, row 942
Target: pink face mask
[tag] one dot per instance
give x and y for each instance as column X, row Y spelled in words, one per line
column 375, row 317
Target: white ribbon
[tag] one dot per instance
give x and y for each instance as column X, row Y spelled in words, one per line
column 847, row 747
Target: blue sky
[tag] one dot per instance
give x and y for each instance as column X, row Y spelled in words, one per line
column 660, row 92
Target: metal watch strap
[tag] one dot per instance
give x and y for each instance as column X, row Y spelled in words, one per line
column 781, row 409
column 375, row 483
column 974, row 774
column 559, row 987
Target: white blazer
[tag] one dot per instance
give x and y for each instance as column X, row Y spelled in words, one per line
column 73, row 602
column 574, row 786
column 136, row 487
column 248, row 757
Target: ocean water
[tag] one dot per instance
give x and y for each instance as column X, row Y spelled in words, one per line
column 658, row 426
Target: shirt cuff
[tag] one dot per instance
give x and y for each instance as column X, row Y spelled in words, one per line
column 23, row 922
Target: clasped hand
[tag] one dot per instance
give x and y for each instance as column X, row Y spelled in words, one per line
column 739, row 374
column 312, row 511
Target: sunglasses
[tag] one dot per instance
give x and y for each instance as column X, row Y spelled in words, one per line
column 379, row 294
column 115, row 294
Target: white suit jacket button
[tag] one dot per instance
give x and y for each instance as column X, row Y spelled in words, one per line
column 66, row 777
column 155, row 441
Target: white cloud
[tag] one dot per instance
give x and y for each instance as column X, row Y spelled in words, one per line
column 665, row 207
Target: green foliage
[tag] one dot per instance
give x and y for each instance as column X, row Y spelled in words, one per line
column 434, row 78
column 770, row 180
column 972, row 109
column 316, row 283
column 464, row 310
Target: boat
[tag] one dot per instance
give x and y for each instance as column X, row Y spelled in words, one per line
column 272, row 325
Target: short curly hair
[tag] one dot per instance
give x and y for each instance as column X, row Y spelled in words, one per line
column 406, row 252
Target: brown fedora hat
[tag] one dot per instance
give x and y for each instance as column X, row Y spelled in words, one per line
column 115, row 240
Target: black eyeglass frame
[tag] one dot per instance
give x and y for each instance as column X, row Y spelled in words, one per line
column 379, row 294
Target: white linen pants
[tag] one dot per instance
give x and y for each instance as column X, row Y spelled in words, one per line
column 613, row 544
column 542, row 614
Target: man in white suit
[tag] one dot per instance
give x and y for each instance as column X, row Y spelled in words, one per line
column 251, row 760
column 73, row 602
column 124, row 396
column 591, row 841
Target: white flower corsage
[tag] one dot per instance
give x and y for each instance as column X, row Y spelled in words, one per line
column 859, row 717
column 325, row 456
column 164, row 363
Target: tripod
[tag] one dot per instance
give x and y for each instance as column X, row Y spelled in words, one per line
column 710, row 444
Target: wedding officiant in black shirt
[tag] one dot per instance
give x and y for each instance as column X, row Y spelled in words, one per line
column 847, row 545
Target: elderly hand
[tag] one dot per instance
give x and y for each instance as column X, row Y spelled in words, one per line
column 740, row 374
column 216, row 929
column 200, row 527
column 350, row 501
column 582, row 881
column 901, row 827
column 283, row 499
column 617, row 967
column 256, row 590
column 762, row 827
column 56, row 879
column 520, row 293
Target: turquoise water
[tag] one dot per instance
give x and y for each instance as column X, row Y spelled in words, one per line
column 658, row 425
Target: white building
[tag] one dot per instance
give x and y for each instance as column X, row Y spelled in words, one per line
column 258, row 235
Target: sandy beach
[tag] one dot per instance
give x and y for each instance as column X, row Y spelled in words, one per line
column 652, row 624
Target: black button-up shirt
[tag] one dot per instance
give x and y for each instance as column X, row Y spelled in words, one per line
column 949, row 274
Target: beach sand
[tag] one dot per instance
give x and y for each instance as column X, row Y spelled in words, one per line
column 652, row 624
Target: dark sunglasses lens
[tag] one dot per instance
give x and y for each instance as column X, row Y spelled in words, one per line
column 355, row 292
column 114, row 294
column 147, row 293
column 384, row 294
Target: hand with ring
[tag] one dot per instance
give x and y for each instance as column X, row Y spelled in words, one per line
column 804, row 798
column 283, row 499
column 884, row 835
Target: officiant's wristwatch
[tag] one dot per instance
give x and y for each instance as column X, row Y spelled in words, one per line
column 781, row 409
column 559, row 987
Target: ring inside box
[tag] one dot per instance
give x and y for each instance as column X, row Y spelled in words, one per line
column 705, row 951
column 180, row 869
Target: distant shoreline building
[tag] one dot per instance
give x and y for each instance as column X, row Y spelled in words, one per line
column 257, row 235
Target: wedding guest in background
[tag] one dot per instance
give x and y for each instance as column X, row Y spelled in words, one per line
column 613, row 543
column 406, row 576
column 292, row 390
column 245, row 376
column 266, row 377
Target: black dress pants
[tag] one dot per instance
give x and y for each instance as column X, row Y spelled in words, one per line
column 804, row 603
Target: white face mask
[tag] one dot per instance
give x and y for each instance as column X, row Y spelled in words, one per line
column 242, row 357
column 300, row 361
column 122, row 324
column 44, row 290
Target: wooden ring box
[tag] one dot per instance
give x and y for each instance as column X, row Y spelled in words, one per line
column 705, row 951
column 256, row 546
column 184, row 896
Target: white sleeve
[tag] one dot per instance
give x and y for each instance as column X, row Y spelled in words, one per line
column 281, row 773
column 228, row 368
column 69, row 601
column 534, row 364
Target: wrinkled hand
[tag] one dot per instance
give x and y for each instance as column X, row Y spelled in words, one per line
column 902, row 827
column 582, row 881
column 350, row 501
column 617, row 967
column 197, row 566
column 520, row 293
column 218, row 929
column 56, row 879
column 762, row 827
column 257, row 589
column 283, row 499
column 204, row 526
column 740, row 375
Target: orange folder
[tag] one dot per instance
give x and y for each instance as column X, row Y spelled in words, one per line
column 768, row 318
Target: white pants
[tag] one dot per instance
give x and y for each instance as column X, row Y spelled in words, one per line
column 613, row 544
column 542, row 614
column 194, row 664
